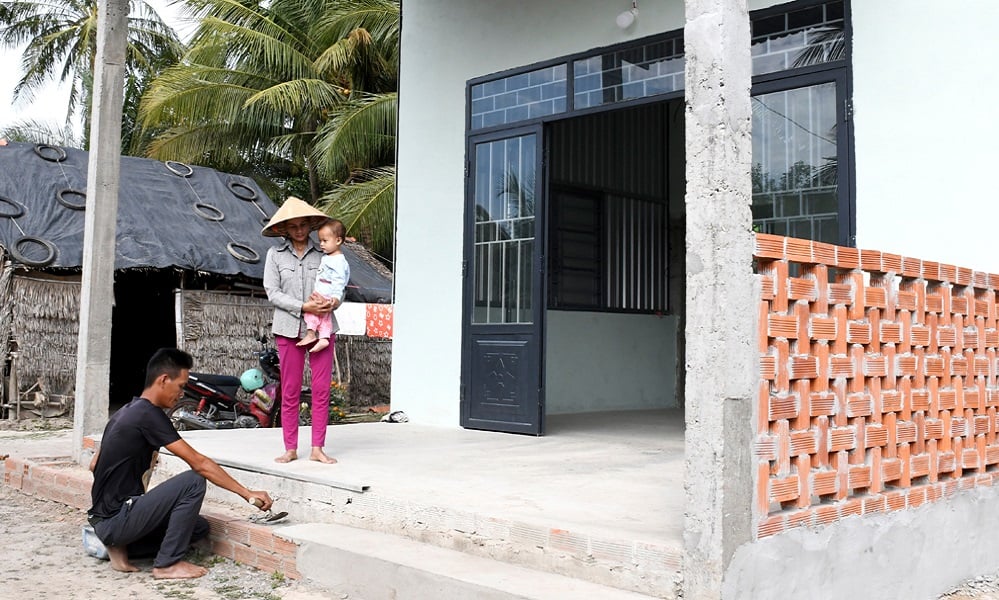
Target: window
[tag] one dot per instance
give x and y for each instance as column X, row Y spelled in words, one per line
column 608, row 252
column 800, row 37
column 801, row 138
column 795, row 160
column 530, row 95
column 608, row 243
column 649, row 70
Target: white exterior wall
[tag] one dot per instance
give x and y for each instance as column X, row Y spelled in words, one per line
column 924, row 142
column 926, row 131
column 444, row 44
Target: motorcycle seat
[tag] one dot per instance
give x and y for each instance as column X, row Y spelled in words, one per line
column 226, row 383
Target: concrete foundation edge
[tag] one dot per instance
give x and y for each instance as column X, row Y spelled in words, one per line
column 380, row 566
column 913, row 553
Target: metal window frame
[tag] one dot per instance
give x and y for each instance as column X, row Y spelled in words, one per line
column 840, row 72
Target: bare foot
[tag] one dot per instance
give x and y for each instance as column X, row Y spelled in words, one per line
column 320, row 345
column 179, row 570
column 287, row 457
column 119, row 559
column 319, row 456
column 309, row 338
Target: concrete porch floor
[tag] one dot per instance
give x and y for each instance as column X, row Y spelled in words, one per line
column 600, row 497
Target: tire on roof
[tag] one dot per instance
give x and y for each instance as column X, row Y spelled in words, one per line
column 18, row 209
column 50, row 251
column 242, row 191
column 40, row 150
column 243, row 252
column 178, row 168
column 209, row 212
column 61, row 197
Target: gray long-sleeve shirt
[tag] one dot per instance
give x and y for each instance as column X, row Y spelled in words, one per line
column 288, row 280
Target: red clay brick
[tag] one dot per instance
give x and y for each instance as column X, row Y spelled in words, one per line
column 261, row 539
column 244, row 554
column 223, row 547
column 906, row 370
column 874, row 504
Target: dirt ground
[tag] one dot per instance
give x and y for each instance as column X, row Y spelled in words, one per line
column 43, row 558
column 42, row 550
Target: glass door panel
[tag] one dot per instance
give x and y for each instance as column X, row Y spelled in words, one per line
column 795, row 163
column 505, row 185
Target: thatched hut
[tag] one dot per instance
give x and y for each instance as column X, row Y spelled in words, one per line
column 188, row 269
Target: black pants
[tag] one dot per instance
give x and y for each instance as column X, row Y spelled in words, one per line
column 164, row 521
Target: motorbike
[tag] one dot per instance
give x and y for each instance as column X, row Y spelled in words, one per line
column 226, row 402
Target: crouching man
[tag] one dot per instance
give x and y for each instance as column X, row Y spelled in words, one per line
column 163, row 521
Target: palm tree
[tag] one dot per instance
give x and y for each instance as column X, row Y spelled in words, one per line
column 288, row 89
column 359, row 141
column 39, row 132
column 61, row 42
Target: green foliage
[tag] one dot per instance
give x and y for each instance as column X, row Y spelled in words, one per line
column 60, row 38
column 297, row 93
column 366, row 207
column 38, row 132
column 338, row 402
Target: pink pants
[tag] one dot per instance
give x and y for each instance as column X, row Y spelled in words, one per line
column 321, row 324
column 292, row 359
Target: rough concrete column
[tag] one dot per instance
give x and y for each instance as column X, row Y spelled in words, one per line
column 721, row 299
column 93, row 357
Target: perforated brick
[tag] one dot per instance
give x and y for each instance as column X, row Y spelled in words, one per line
column 878, row 382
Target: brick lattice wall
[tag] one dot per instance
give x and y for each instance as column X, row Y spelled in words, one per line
column 878, row 387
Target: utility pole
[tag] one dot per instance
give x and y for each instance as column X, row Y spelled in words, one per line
column 722, row 361
column 93, row 356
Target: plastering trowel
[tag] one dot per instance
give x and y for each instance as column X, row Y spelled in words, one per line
column 267, row 517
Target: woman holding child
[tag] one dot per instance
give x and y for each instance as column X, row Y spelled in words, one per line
column 289, row 276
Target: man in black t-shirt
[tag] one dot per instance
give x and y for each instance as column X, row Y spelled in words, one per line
column 164, row 520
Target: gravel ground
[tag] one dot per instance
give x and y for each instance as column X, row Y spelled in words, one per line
column 43, row 556
column 979, row 588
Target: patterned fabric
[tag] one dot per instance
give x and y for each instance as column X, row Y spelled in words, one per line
column 379, row 318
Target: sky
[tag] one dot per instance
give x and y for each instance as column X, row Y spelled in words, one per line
column 49, row 103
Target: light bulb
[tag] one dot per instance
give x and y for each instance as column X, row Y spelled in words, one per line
column 625, row 19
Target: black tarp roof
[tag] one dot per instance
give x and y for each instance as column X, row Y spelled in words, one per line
column 201, row 222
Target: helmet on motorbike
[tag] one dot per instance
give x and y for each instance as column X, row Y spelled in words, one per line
column 270, row 363
column 251, row 379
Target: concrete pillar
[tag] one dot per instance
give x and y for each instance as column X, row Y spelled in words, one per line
column 722, row 297
column 93, row 359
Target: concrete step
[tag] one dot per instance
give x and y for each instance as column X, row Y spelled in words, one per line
column 574, row 550
column 373, row 565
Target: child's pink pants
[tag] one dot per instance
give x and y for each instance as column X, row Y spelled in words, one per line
column 321, row 324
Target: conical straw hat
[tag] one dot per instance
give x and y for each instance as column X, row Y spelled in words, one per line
column 293, row 208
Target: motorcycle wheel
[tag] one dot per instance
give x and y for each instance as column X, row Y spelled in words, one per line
column 184, row 404
column 304, row 414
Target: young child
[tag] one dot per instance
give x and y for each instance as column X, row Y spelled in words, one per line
column 331, row 280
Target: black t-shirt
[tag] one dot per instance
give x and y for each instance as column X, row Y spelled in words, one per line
column 132, row 435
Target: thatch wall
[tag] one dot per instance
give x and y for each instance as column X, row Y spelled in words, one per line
column 365, row 366
column 6, row 308
column 6, row 319
column 219, row 330
column 45, row 320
